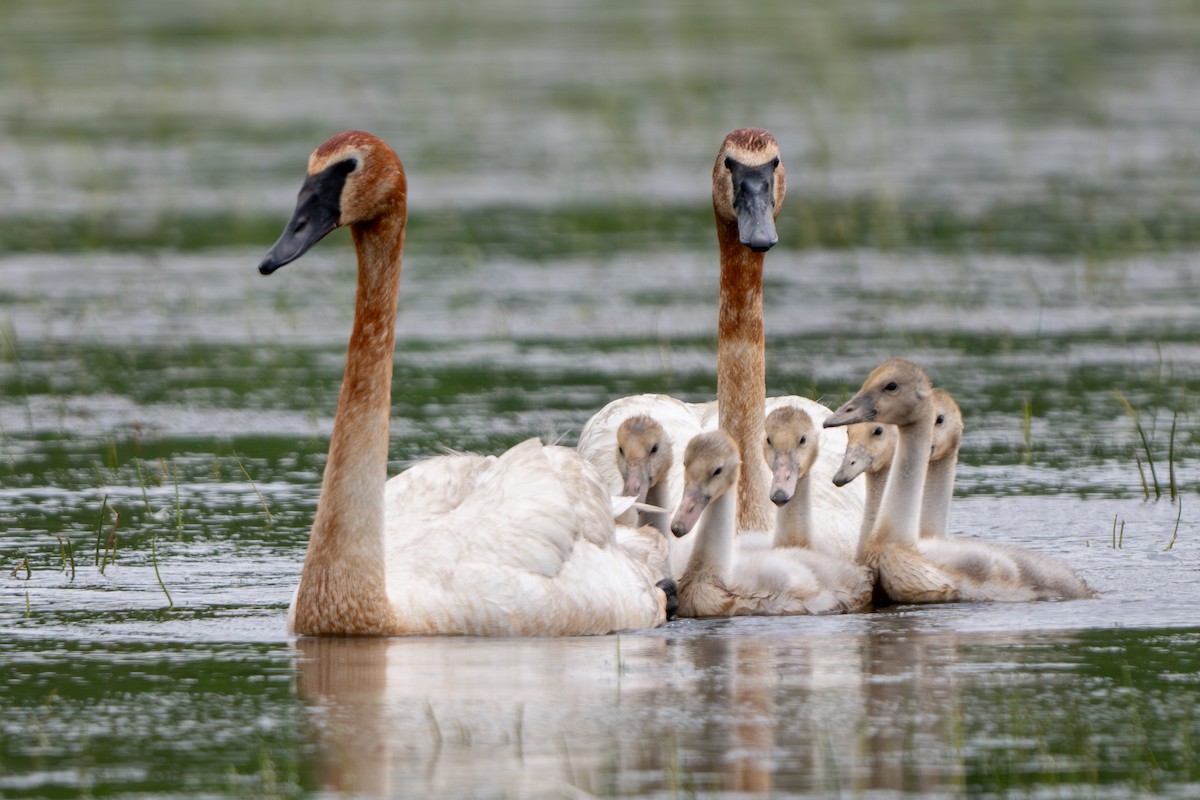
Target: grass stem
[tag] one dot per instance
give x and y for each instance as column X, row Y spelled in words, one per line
column 1028, row 421
column 1175, row 533
column 1137, row 423
column 253, row 486
column 1171, row 457
column 66, row 551
column 154, row 560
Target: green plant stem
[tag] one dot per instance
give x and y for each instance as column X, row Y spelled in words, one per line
column 1175, row 533
column 154, row 560
column 253, row 486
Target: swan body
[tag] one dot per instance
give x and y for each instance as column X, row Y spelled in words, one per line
column 944, row 569
column 728, row 575
column 520, row 544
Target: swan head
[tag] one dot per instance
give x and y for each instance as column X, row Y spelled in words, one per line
column 711, row 466
column 947, row 426
column 869, row 448
column 748, row 186
column 353, row 178
column 790, row 448
column 897, row 391
column 644, row 455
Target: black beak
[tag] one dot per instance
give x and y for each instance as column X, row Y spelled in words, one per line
column 318, row 209
column 754, row 204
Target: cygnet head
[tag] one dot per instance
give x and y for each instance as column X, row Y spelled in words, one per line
column 947, row 426
column 897, row 391
column 711, row 466
column 790, row 449
column 644, row 455
column 353, row 178
column 869, row 448
column 749, row 186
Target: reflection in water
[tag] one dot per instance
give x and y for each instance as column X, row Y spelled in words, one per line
column 776, row 711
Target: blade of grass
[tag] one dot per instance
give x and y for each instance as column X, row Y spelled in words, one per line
column 100, row 527
column 137, row 467
column 1171, row 457
column 154, row 560
column 1028, row 414
column 253, row 486
column 111, row 542
column 1137, row 423
column 178, row 505
column 9, row 335
column 1175, row 533
column 66, row 551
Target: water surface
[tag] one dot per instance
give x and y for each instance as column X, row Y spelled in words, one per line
column 1006, row 195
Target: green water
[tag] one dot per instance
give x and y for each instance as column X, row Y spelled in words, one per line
column 1008, row 194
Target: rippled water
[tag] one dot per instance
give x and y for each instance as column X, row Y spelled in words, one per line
column 1009, row 196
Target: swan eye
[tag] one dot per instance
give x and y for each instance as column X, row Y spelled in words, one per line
column 891, row 386
column 346, row 166
column 729, row 163
column 654, row 449
column 775, row 162
column 717, row 471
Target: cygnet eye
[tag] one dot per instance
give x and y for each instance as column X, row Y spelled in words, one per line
column 891, row 386
column 654, row 449
column 347, row 166
column 620, row 451
column 878, row 431
column 769, row 442
column 941, row 419
column 717, row 471
column 803, row 440
column 729, row 163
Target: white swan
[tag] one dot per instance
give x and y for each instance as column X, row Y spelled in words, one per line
column 725, row 577
column 915, row 570
column 870, row 447
column 520, row 544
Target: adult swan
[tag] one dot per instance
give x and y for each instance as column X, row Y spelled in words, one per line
column 520, row 544
column 748, row 188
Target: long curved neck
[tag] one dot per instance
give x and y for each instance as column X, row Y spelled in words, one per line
column 657, row 496
column 343, row 585
column 900, row 510
column 876, row 483
column 793, row 519
column 741, row 372
column 939, row 490
column 713, row 551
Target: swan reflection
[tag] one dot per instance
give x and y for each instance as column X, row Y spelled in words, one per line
column 703, row 707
